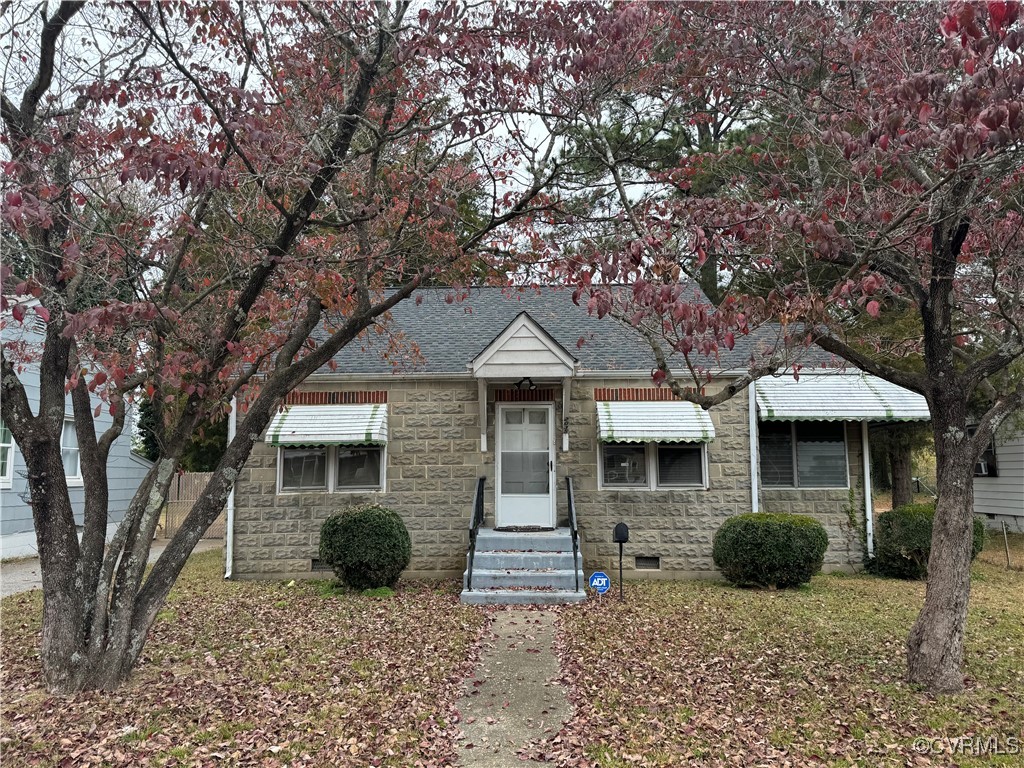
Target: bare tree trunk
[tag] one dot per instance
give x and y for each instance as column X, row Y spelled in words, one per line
column 935, row 648
column 902, row 470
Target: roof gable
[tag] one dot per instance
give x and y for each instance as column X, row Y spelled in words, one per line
column 523, row 348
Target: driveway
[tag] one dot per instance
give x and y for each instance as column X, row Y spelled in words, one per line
column 23, row 575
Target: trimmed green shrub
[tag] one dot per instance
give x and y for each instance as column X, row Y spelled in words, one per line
column 903, row 541
column 769, row 550
column 368, row 546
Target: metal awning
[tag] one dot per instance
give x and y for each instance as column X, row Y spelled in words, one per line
column 837, row 397
column 299, row 425
column 672, row 421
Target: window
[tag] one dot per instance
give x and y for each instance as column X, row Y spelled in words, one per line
column 358, row 468
column 6, row 456
column 647, row 465
column 625, row 465
column 805, row 454
column 303, row 469
column 986, row 466
column 331, row 469
column 69, row 451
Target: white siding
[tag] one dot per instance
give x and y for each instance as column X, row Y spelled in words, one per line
column 1003, row 495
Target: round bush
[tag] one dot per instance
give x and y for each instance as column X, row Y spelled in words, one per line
column 903, row 541
column 368, row 546
column 769, row 550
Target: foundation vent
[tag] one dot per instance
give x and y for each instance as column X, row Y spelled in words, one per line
column 648, row 563
column 319, row 565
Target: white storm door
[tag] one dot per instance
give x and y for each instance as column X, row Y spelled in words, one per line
column 525, row 466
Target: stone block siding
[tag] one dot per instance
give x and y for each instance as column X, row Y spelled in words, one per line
column 434, row 460
column 677, row 526
column 840, row 510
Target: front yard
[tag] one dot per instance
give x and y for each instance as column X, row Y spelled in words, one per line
column 680, row 674
column 255, row 674
column 704, row 674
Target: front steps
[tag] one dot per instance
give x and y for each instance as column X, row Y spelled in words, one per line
column 514, row 568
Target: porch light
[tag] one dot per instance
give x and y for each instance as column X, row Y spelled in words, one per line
column 525, row 384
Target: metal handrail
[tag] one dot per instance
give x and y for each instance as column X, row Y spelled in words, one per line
column 475, row 522
column 574, row 531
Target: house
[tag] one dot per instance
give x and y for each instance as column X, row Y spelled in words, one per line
column 528, row 391
column 126, row 470
column 999, row 480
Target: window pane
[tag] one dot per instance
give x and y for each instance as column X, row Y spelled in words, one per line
column 358, row 468
column 775, row 446
column 680, row 465
column 303, row 468
column 821, row 454
column 624, row 464
column 5, row 450
column 524, row 472
column 69, row 450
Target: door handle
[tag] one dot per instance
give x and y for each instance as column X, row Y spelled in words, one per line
column 551, row 466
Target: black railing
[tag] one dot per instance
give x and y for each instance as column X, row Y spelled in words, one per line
column 574, row 530
column 475, row 522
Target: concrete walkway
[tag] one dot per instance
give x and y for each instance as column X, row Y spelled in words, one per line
column 23, row 575
column 514, row 695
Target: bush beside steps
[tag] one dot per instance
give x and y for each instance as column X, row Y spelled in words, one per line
column 903, row 541
column 368, row 546
column 769, row 550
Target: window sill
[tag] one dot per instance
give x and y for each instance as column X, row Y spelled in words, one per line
column 805, row 487
column 650, row 489
column 74, row 482
column 336, row 491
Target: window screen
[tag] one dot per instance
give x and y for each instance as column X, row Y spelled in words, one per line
column 680, row 465
column 303, row 469
column 358, row 467
column 6, row 446
column 624, row 464
column 775, row 446
column 821, row 454
column 69, row 450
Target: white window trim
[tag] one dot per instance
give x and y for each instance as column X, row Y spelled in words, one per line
column 76, row 479
column 7, row 479
column 796, row 472
column 651, row 462
column 331, row 474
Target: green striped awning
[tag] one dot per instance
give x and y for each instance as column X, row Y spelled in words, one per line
column 670, row 421
column 837, row 397
column 303, row 425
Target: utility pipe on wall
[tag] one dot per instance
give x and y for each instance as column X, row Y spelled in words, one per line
column 869, row 509
column 229, row 537
column 752, row 429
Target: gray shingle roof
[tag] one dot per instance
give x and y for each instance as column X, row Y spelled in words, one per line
column 450, row 335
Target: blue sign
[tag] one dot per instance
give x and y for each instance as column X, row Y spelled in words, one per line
column 599, row 582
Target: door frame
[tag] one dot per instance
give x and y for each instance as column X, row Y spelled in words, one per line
column 499, row 410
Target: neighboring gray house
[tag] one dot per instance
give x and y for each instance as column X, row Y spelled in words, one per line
column 528, row 392
column 999, row 481
column 126, row 470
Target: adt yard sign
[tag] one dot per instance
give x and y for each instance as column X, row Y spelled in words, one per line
column 599, row 582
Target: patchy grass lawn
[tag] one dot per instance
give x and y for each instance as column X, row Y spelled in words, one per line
column 689, row 673
column 243, row 673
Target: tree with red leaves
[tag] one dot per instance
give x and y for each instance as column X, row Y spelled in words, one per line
column 207, row 202
column 870, row 169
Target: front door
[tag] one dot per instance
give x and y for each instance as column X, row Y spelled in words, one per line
column 525, row 466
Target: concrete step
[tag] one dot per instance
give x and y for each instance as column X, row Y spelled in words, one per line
column 509, row 577
column 496, row 561
column 558, row 540
column 521, row 596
